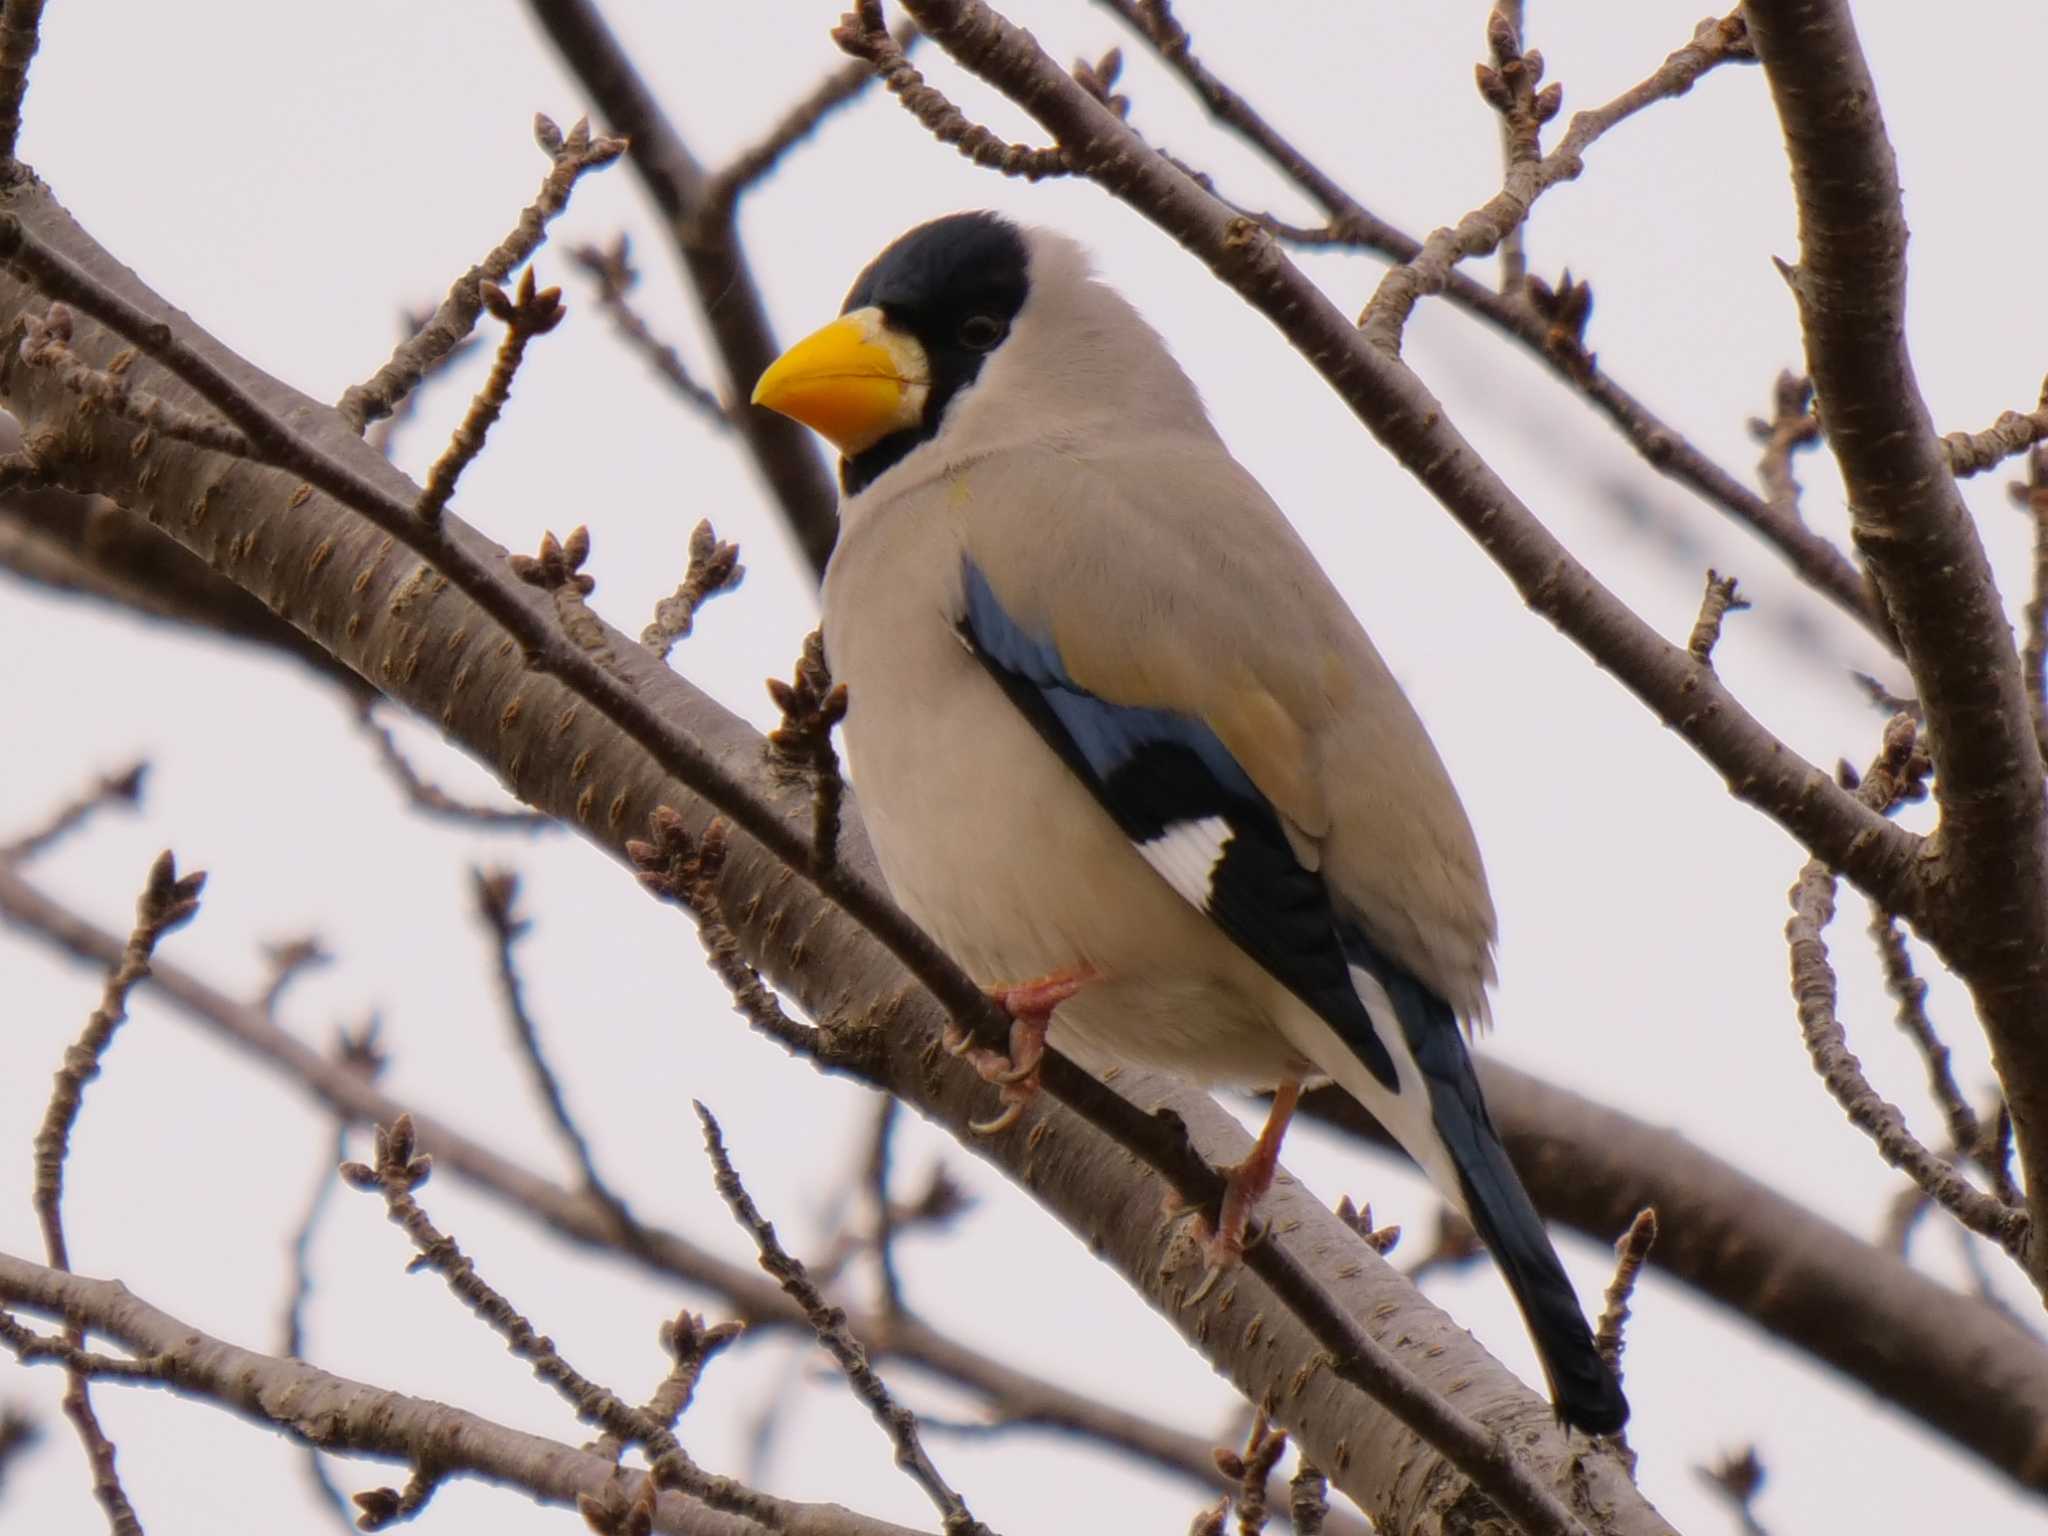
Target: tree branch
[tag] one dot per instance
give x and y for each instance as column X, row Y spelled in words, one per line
column 1989, row 862
column 333, row 1413
column 829, row 1324
column 450, row 324
column 85, row 546
column 707, row 242
column 1530, row 176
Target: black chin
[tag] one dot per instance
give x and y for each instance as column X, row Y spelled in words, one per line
column 860, row 470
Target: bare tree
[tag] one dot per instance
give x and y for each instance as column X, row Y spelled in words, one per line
column 160, row 471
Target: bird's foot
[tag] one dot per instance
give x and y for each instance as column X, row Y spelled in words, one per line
column 1030, row 1005
column 1037, row 999
column 1244, row 1185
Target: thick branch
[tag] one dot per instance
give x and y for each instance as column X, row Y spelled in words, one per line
column 88, row 547
column 1989, row 866
column 347, row 1417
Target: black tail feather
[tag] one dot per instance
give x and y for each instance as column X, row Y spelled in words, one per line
column 1585, row 1391
column 1583, row 1388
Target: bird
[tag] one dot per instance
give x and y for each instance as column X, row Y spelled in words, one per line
column 1124, row 751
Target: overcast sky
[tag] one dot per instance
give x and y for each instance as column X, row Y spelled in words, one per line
column 291, row 176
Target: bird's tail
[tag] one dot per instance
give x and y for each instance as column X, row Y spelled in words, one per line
column 1581, row 1385
column 1452, row 1136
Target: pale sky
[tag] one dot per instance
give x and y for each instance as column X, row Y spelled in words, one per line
column 291, row 176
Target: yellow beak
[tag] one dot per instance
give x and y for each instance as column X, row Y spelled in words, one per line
column 853, row 382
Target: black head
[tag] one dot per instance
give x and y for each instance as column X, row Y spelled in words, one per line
column 955, row 285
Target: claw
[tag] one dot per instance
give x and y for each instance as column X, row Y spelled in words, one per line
column 1030, row 1005
column 1027, row 1050
column 1011, row 1112
column 1201, row 1292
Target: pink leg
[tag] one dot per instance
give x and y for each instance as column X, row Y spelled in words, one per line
column 1030, row 1005
column 1250, row 1180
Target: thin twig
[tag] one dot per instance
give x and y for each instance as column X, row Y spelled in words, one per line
column 685, row 870
column 18, row 1434
column 45, row 343
column 1308, row 1498
column 1792, row 427
column 714, row 568
column 1716, row 604
column 571, row 158
column 293, row 1343
column 862, row 34
column 167, row 901
column 1895, row 1233
column 497, row 899
column 878, row 1171
column 311, row 1406
column 612, row 269
column 713, row 257
column 690, row 1345
column 1482, row 230
column 1629, row 1254
column 123, row 788
column 1738, row 1478
column 812, row 706
column 289, row 959
column 1251, row 1469
column 724, row 190
column 400, row 1169
column 1898, row 771
column 1514, row 255
column 525, row 316
column 557, row 569
column 428, row 797
column 829, row 1323
column 1910, row 993
column 1971, row 453
column 382, row 434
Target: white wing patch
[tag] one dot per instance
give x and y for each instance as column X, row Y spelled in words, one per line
column 1186, row 855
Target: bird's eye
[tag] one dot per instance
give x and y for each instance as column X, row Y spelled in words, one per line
column 978, row 333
